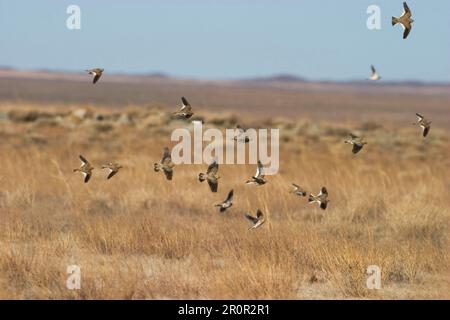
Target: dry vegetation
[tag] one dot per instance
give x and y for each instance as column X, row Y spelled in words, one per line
column 138, row 236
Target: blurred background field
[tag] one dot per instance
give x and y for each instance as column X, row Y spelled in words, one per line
column 139, row 236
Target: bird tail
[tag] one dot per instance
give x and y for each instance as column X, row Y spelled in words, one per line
column 75, row 170
column 394, row 21
column 311, row 198
column 157, row 167
column 201, row 177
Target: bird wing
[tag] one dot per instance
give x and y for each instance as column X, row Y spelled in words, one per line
column 230, row 196
column 213, row 184
column 167, row 158
column 111, row 174
column 323, row 205
column 373, row 70
column 213, row 168
column 259, row 170
column 83, row 160
column 168, row 172
column 87, row 176
column 357, row 147
column 407, row 27
column 426, row 129
column 407, row 11
column 186, row 106
column 259, row 214
column 96, row 77
column 419, row 116
column 251, row 218
column 323, row 191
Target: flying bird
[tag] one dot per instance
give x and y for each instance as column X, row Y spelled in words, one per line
column 321, row 198
column 405, row 20
column 297, row 190
column 241, row 136
column 166, row 164
column 258, row 179
column 257, row 221
column 425, row 124
column 96, row 72
column 356, row 142
column 113, row 168
column 227, row 203
column 211, row 176
column 85, row 168
column 185, row 111
column 374, row 76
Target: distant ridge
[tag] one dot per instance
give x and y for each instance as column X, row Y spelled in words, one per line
column 288, row 78
column 277, row 80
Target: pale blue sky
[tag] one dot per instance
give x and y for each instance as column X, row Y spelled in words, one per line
column 228, row 39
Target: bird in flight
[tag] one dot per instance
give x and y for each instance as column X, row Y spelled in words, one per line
column 257, row 221
column 356, row 142
column 297, row 190
column 227, row 203
column 96, row 72
column 85, row 168
column 258, row 179
column 211, row 176
column 321, row 198
column 405, row 20
column 185, row 111
column 425, row 124
column 113, row 168
column 374, row 76
column 241, row 136
column 166, row 164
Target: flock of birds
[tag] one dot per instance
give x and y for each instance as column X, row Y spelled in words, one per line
column 211, row 175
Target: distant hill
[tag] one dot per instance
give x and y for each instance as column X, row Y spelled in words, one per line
column 279, row 78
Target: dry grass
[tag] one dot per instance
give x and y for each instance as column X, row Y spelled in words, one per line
column 138, row 236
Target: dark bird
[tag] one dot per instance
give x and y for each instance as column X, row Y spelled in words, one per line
column 185, row 111
column 85, row 168
column 113, row 168
column 211, row 176
column 227, row 203
column 321, row 198
column 97, row 73
column 257, row 221
column 166, row 164
column 425, row 124
column 297, row 190
column 356, row 142
column 258, row 179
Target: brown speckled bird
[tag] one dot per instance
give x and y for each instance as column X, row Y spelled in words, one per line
column 113, row 168
column 96, row 72
column 166, row 164
column 211, row 176
column 85, row 168
column 405, row 20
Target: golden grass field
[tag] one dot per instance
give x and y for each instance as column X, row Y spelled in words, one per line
column 139, row 236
